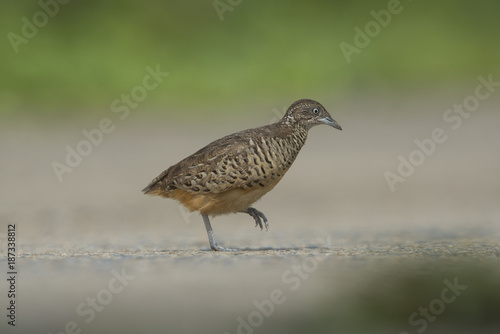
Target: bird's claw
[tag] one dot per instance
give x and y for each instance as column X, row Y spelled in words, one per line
column 259, row 218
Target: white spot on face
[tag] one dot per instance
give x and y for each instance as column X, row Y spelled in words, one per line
column 289, row 119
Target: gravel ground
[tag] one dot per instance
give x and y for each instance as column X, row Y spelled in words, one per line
column 343, row 253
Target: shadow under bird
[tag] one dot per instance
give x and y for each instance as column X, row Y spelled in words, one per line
column 231, row 173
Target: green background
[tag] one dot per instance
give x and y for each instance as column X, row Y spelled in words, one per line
column 262, row 52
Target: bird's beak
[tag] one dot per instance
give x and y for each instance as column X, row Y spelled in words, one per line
column 330, row 121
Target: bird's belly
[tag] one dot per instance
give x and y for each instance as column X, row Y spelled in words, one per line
column 230, row 201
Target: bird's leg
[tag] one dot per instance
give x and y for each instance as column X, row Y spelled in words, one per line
column 211, row 237
column 258, row 216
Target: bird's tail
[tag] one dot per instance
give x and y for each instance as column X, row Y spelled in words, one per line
column 149, row 188
column 154, row 187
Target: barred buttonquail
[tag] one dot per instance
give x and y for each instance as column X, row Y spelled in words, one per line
column 230, row 174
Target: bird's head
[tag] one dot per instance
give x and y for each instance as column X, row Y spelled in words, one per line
column 308, row 113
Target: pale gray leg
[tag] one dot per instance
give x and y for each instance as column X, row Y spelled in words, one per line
column 258, row 216
column 211, row 237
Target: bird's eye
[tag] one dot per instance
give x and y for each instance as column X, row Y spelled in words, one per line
column 315, row 111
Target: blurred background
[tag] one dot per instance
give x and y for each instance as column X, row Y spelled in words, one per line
column 97, row 98
column 260, row 53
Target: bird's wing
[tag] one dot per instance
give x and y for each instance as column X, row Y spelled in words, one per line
column 241, row 160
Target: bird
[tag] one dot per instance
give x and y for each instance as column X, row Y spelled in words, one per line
column 230, row 174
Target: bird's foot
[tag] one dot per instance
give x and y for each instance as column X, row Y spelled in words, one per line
column 259, row 217
column 211, row 237
column 218, row 248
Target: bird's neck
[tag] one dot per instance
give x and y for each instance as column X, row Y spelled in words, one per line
column 293, row 133
column 299, row 135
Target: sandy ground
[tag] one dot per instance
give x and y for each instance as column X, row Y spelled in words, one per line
column 344, row 254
